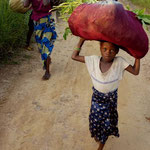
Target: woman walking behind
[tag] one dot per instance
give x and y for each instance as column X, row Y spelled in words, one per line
column 45, row 31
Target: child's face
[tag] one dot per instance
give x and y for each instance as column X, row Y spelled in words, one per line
column 108, row 51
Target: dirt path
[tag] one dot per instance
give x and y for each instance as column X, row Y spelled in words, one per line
column 53, row 115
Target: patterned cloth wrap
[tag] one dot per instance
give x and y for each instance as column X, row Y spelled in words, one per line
column 103, row 118
column 45, row 35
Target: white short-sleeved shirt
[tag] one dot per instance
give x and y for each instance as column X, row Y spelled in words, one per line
column 107, row 81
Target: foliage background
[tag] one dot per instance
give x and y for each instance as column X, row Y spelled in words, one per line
column 13, row 30
column 142, row 3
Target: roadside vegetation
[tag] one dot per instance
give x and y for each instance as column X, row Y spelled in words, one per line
column 142, row 3
column 13, row 29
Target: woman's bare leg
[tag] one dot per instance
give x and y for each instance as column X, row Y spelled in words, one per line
column 47, row 72
column 48, row 64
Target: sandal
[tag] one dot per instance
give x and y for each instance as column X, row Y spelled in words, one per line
column 46, row 76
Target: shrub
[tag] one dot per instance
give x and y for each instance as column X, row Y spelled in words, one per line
column 13, row 29
column 142, row 3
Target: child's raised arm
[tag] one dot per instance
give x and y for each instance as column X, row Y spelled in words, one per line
column 75, row 54
column 135, row 68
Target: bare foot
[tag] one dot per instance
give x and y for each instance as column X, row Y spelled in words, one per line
column 46, row 76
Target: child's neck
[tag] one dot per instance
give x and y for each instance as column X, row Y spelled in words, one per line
column 106, row 62
column 105, row 65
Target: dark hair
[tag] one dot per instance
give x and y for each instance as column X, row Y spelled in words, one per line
column 116, row 46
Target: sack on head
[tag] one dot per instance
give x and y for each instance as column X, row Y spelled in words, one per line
column 109, row 21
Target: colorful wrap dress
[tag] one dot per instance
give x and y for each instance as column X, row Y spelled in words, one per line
column 44, row 26
column 45, row 35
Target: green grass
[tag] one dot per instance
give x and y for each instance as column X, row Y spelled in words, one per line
column 27, row 56
column 13, row 30
column 142, row 3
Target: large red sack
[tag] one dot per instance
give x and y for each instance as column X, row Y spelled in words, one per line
column 110, row 22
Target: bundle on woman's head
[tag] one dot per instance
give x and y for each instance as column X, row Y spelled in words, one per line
column 109, row 21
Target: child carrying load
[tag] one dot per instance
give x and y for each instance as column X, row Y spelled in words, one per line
column 106, row 70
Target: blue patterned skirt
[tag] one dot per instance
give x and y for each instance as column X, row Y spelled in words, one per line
column 103, row 118
column 45, row 35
